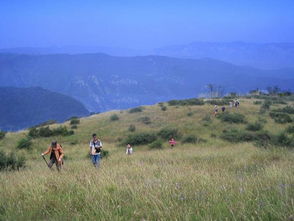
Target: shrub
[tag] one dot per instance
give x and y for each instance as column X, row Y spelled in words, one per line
column 114, row 117
column 284, row 140
column 232, row 117
column 132, row 128
column 163, row 108
column 33, row 132
column 140, row 138
column 254, row 126
column 74, row 127
column 45, row 132
column 2, row 134
column 190, row 139
column 220, row 102
column 24, row 143
column 74, row 121
column 257, row 102
column 104, row 153
column 266, row 105
column 11, row 161
column 136, row 109
column 206, row 118
column 290, row 130
column 287, row 109
column 190, row 114
column 145, row 120
column 167, row 133
column 157, row 144
column 192, row 101
column 235, row 135
column 62, row 130
column 281, row 118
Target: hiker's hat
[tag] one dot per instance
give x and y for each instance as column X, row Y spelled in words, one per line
column 54, row 143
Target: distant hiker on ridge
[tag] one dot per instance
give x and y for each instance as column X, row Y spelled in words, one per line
column 172, row 142
column 215, row 110
column 95, row 150
column 56, row 155
column 129, row 150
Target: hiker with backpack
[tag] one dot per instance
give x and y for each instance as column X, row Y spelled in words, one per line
column 172, row 142
column 215, row 110
column 56, row 155
column 95, row 150
column 129, row 150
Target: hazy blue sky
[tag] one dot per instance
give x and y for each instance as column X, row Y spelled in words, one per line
column 143, row 24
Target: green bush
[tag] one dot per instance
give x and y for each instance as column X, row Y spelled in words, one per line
column 190, row 139
column 232, row 117
column 206, row 118
column 132, row 128
column 24, row 143
column 45, row 132
column 257, row 102
column 140, row 138
column 157, row 144
column 287, row 110
column 145, row 120
column 74, row 127
column 163, row 108
column 104, row 153
column 11, row 161
column 192, row 101
column 190, row 114
column 2, row 134
column 281, row 118
column 254, row 126
column 168, row 133
column 62, row 130
column 266, row 105
column 284, row 140
column 290, row 130
column 114, row 117
column 136, row 110
column 237, row 135
column 74, row 121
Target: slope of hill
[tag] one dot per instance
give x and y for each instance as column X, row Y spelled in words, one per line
column 267, row 55
column 208, row 178
column 25, row 107
column 104, row 82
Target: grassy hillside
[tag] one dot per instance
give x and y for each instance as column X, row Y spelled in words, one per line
column 210, row 179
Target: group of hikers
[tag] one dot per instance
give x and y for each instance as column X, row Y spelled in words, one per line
column 235, row 103
column 56, row 152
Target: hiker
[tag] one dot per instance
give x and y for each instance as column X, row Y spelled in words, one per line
column 172, row 142
column 129, row 150
column 95, row 150
column 215, row 110
column 223, row 108
column 231, row 104
column 238, row 103
column 56, row 154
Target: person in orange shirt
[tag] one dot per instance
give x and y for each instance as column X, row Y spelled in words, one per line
column 56, row 154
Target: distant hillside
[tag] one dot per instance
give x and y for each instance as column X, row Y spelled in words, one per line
column 103, row 82
column 268, row 56
column 24, row 107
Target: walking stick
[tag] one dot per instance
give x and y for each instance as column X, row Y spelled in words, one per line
column 45, row 161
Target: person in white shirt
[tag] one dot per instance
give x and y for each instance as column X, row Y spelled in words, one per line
column 129, row 150
column 95, row 150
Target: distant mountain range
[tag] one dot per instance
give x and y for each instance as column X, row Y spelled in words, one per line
column 103, row 82
column 266, row 56
column 25, row 107
column 258, row 55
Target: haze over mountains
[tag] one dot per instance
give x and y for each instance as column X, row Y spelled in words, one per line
column 102, row 82
column 25, row 107
column 258, row 55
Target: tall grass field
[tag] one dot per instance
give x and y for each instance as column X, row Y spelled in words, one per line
column 204, row 177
